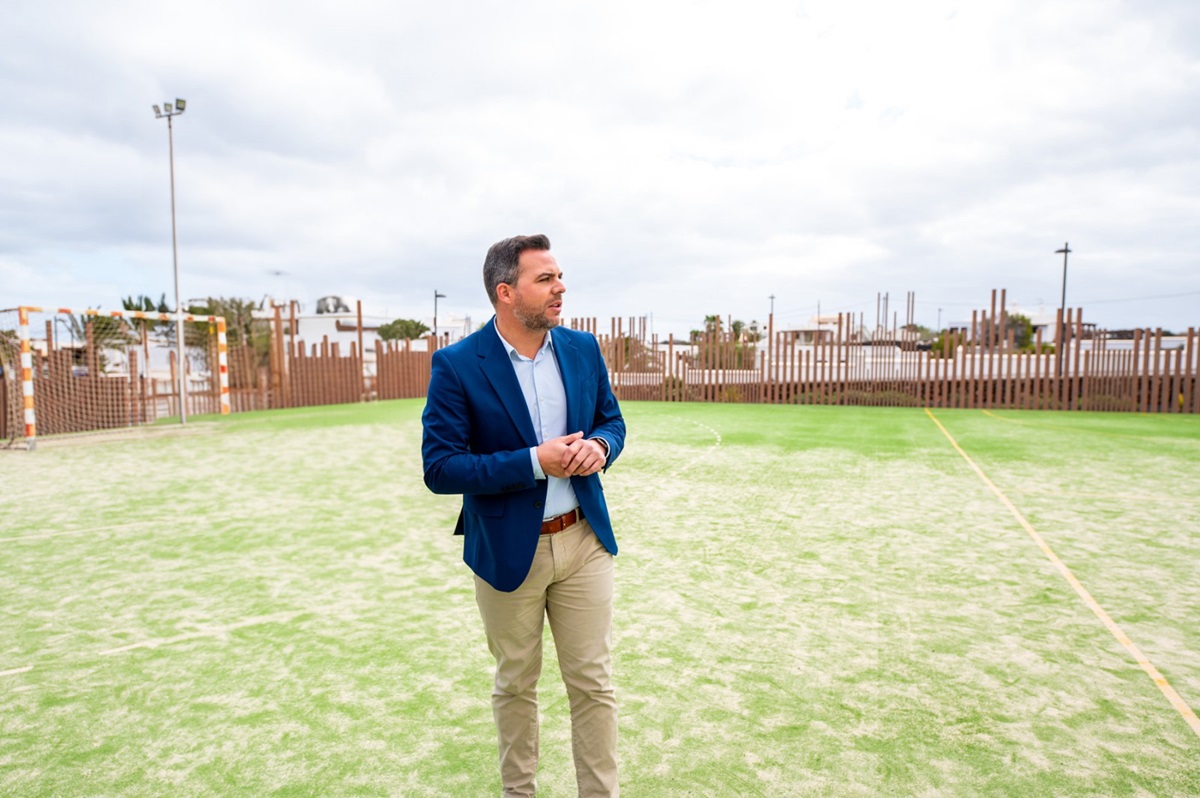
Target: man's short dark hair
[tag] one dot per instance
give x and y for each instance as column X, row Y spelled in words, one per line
column 501, row 263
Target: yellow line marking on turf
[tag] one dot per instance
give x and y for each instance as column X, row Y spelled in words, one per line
column 1163, row 685
column 15, row 671
column 212, row 631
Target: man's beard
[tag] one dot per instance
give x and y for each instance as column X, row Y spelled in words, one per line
column 532, row 319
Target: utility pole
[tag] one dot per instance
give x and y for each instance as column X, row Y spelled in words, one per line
column 1062, row 310
column 436, row 297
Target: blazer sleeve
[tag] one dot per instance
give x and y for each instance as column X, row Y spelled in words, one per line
column 453, row 463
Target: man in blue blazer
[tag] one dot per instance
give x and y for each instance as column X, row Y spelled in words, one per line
column 520, row 419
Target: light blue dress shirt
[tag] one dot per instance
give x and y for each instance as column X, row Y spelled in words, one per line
column 542, row 386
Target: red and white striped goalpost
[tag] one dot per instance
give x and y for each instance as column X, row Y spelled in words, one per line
column 27, row 353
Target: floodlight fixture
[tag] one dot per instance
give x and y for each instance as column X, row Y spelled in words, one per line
column 169, row 110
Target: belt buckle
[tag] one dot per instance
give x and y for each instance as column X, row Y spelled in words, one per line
column 559, row 522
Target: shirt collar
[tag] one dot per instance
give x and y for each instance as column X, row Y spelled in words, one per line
column 513, row 354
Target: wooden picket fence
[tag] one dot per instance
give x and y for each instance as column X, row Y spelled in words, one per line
column 400, row 371
column 320, row 373
column 1145, row 377
column 851, row 364
column 844, row 364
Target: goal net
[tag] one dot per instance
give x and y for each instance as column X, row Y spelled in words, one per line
column 68, row 371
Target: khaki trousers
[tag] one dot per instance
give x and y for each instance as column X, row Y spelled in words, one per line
column 571, row 583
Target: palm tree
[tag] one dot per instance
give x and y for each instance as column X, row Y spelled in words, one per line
column 108, row 332
column 241, row 326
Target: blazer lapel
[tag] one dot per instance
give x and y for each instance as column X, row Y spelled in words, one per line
column 497, row 367
column 570, row 369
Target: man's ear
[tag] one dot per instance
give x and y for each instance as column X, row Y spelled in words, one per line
column 504, row 293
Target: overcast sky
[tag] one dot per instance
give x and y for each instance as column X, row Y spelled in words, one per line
column 685, row 157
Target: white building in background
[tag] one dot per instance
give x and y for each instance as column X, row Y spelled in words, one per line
column 1042, row 320
column 335, row 318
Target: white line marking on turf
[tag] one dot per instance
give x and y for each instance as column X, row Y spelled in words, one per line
column 1105, row 433
column 1163, row 685
column 701, row 456
column 84, row 531
column 210, row 631
column 15, row 671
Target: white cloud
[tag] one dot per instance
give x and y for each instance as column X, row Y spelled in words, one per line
column 685, row 157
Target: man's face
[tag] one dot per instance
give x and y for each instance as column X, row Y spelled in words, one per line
column 537, row 296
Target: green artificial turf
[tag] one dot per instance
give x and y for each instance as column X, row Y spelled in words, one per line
column 813, row 601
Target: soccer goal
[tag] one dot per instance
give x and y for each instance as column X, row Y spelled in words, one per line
column 70, row 370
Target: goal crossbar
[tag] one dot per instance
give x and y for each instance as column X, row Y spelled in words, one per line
column 26, row 362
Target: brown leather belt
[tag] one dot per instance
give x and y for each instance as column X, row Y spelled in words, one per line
column 561, row 522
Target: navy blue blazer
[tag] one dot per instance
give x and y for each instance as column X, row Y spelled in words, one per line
column 477, row 436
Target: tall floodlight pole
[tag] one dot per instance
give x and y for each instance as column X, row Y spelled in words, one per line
column 436, row 297
column 168, row 112
column 1062, row 309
